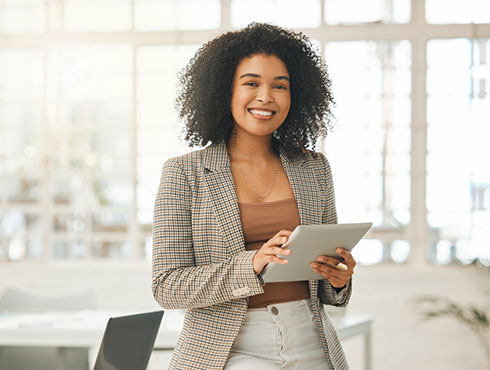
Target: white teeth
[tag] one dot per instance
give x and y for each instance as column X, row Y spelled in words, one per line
column 260, row 112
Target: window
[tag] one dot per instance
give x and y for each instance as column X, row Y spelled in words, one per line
column 156, row 15
column 158, row 130
column 470, row 11
column 286, row 13
column 18, row 16
column 87, row 118
column 21, row 145
column 356, row 12
column 458, row 174
column 96, row 15
column 370, row 145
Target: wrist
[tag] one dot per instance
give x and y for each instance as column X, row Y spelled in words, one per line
column 256, row 264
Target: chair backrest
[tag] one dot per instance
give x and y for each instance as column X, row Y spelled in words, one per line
column 16, row 300
column 128, row 342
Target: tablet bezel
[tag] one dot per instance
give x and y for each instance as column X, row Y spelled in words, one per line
column 321, row 240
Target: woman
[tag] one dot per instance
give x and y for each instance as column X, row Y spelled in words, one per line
column 261, row 97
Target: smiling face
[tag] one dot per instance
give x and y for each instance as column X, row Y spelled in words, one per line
column 261, row 96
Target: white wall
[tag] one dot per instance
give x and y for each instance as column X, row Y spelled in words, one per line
column 400, row 340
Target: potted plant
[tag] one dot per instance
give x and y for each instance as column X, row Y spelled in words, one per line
column 477, row 319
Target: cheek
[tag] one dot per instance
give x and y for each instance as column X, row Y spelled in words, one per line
column 285, row 105
column 238, row 102
column 234, row 106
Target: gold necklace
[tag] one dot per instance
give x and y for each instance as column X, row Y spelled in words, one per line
column 269, row 191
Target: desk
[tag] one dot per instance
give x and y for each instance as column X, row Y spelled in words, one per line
column 75, row 329
column 85, row 329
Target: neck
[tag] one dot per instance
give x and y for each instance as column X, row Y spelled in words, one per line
column 243, row 146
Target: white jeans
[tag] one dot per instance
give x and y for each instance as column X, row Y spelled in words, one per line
column 280, row 336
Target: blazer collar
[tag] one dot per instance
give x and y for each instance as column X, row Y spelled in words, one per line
column 215, row 157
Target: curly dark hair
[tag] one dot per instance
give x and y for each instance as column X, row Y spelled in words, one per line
column 207, row 81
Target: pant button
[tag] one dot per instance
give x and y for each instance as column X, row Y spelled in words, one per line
column 274, row 310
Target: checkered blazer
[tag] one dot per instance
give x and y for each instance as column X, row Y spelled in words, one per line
column 199, row 259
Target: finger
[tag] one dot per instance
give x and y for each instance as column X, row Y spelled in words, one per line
column 276, row 259
column 285, row 233
column 276, row 240
column 346, row 255
column 329, row 270
column 335, row 280
column 278, row 250
column 324, row 272
column 333, row 262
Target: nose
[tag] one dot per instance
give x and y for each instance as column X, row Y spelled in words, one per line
column 264, row 95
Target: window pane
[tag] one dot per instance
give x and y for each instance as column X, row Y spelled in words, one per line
column 286, row 13
column 112, row 191
column 21, row 75
column 69, row 222
column 458, row 175
column 159, row 130
column 96, row 73
column 20, row 151
column 68, row 190
column 155, row 15
column 469, row 11
column 97, row 15
column 368, row 251
column 111, row 249
column 400, row 250
column 354, row 11
column 17, row 16
column 110, row 220
column 369, row 149
column 22, row 234
column 16, row 114
column 91, row 146
column 22, row 190
column 72, row 249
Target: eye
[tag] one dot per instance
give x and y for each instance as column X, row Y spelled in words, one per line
column 280, row 87
column 253, row 84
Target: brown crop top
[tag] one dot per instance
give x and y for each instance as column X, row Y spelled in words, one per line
column 260, row 222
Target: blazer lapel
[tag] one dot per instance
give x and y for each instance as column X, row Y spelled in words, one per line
column 219, row 180
column 306, row 190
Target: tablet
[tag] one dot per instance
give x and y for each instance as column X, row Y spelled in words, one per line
column 307, row 242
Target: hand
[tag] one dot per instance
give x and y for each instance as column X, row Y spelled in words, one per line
column 331, row 268
column 269, row 251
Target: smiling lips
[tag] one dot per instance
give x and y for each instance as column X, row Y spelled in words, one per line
column 263, row 114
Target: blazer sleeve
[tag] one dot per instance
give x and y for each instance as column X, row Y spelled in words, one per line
column 177, row 283
column 326, row 292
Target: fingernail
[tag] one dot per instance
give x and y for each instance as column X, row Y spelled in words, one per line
column 322, row 259
column 288, row 251
column 339, row 250
column 283, row 240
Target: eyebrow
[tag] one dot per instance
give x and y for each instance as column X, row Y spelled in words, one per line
column 258, row 76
